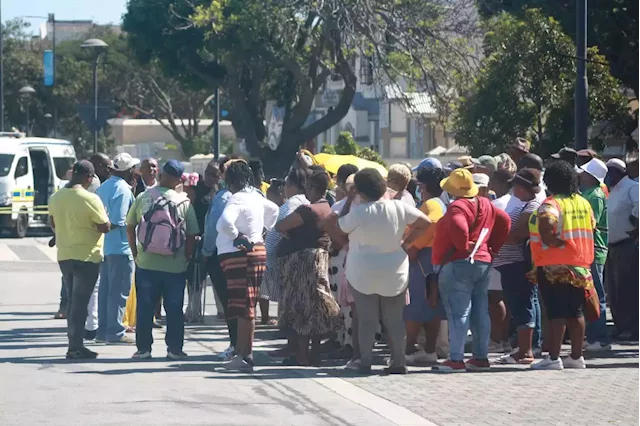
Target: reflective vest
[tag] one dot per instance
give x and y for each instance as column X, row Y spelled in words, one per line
column 575, row 227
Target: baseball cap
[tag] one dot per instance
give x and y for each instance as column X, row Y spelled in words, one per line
column 123, row 162
column 481, row 180
column 428, row 163
column 84, row 168
column 173, row 168
column 616, row 163
column 595, row 168
column 567, row 154
column 587, row 153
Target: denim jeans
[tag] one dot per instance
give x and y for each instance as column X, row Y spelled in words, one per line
column 116, row 276
column 597, row 330
column 80, row 279
column 150, row 285
column 463, row 289
column 64, row 299
column 537, row 330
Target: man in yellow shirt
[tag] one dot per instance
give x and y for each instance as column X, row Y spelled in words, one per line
column 79, row 221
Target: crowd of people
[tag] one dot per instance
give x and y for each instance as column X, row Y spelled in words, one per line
column 523, row 253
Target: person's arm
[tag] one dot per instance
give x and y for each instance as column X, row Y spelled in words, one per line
column 633, row 196
column 294, row 220
column 418, row 223
column 271, row 211
column 548, row 216
column 520, row 229
column 338, row 238
column 132, row 221
column 499, row 232
column 121, row 203
column 52, row 223
column 193, row 229
column 227, row 222
column 99, row 214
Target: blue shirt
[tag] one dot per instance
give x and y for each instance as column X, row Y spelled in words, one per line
column 216, row 208
column 117, row 197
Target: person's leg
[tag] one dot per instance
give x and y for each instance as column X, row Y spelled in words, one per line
column 537, row 309
column 354, row 333
column 264, row 310
column 479, row 314
column 368, row 308
column 627, row 277
column 520, row 300
column 147, row 292
column 597, row 330
column 413, row 330
column 244, row 340
column 120, row 275
column 498, row 315
column 431, row 330
column 64, row 301
column 91, row 324
column 391, row 309
column 220, row 285
column 612, row 287
column 554, row 301
column 173, row 301
column 103, row 297
column 455, row 291
column 85, row 275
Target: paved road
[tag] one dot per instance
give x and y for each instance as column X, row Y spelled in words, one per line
column 38, row 387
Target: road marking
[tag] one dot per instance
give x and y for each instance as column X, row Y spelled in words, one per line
column 383, row 407
column 7, row 255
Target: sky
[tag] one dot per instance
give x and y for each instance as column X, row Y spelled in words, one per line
column 100, row 11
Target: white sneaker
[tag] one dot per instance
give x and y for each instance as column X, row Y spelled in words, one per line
column 142, row 355
column 569, row 362
column 548, row 364
column 238, row 364
column 596, row 347
column 506, row 347
column 227, row 354
column 421, row 357
column 496, row 347
column 537, row 352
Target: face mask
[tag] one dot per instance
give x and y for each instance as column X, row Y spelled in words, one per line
column 418, row 195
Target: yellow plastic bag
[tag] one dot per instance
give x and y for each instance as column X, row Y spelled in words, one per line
column 129, row 319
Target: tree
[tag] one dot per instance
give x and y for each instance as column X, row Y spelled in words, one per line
column 286, row 50
column 525, row 88
column 612, row 27
column 346, row 145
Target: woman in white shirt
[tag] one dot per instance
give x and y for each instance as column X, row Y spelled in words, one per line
column 242, row 255
column 377, row 267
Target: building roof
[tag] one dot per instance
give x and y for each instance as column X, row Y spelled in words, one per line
column 414, row 103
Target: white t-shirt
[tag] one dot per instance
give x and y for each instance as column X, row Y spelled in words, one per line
column 376, row 262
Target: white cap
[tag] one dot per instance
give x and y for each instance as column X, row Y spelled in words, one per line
column 481, row 180
column 123, row 162
column 617, row 163
column 595, row 168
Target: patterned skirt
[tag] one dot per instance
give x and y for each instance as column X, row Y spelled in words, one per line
column 308, row 307
column 243, row 272
column 270, row 288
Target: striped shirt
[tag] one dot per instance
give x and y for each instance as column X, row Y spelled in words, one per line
column 273, row 237
column 514, row 207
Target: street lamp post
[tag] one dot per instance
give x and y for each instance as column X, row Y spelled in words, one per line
column 582, row 90
column 98, row 47
column 25, row 94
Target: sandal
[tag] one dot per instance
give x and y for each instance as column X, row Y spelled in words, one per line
column 511, row 360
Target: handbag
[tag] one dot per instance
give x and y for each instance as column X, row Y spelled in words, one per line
column 591, row 304
column 431, row 279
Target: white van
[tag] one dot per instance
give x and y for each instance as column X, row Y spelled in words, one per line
column 31, row 169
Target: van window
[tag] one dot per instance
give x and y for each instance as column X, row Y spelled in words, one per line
column 22, row 168
column 6, row 160
column 63, row 165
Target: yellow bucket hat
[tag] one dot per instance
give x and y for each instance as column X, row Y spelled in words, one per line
column 460, row 184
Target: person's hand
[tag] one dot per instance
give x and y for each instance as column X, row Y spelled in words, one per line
column 351, row 194
column 134, row 253
column 412, row 252
column 243, row 243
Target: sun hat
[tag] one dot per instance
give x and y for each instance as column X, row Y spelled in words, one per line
column 616, row 163
column 528, row 177
column 123, row 162
column 489, row 162
column 428, row 163
column 460, row 184
column 595, row 168
column 467, row 161
column 587, row 153
column 481, row 179
column 521, row 144
column 567, row 154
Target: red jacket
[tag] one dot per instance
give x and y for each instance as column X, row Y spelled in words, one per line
column 452, row 231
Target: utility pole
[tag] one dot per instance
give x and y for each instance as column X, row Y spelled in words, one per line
column 1, row 73
column 215, row 148
column 52, row 19
column 582, row 90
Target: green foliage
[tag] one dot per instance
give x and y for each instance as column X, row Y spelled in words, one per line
column 328, row 149
column 369, row 154
column 346, row 145
column 525, row 88
column 612, row 26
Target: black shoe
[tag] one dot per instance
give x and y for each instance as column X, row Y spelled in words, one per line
column 82, row 353
column 395, row 370
column 156, row 324
column 364, row 370
column 249, row 360
column 90, row 335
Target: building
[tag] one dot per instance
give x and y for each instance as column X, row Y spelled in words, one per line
column 71, row 30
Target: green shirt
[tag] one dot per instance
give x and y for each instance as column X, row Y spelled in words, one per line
column 157, row 262
column 598, row 200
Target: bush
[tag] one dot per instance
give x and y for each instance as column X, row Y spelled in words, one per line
column 371, row 155
column 328, row 149
column 346, row 145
